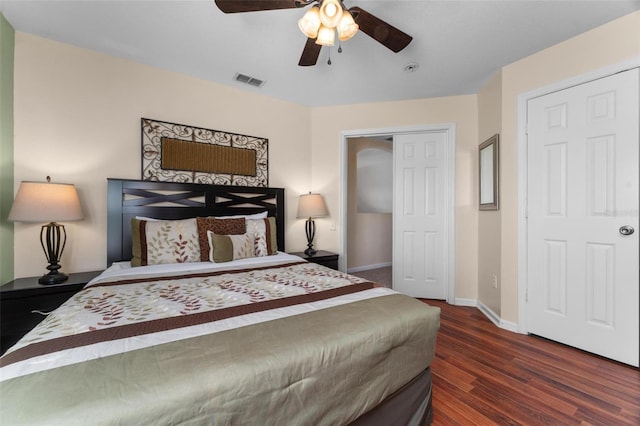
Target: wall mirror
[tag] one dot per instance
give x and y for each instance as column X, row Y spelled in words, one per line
column 488, row 156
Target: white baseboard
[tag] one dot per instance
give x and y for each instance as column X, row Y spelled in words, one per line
column 494, row 318
column 488, row 312
column 465, row 302
column 368, row 267
column 510, row 326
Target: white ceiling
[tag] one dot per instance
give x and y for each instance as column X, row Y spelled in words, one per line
column 457, row 44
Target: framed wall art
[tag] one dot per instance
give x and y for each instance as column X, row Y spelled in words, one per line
column 180, row 153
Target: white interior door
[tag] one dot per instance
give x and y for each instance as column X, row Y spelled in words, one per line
column 420, row 238
column 582, row 265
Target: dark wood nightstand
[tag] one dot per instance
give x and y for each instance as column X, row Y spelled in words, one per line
column 21, row 297
column 324, row 258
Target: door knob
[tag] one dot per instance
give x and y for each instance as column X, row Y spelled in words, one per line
column 626, row 230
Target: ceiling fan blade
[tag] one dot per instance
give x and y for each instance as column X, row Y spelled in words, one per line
column 310, row 53
column 379, row 30
column 237, row 6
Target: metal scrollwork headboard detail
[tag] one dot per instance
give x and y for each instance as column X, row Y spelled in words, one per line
column 179, row 153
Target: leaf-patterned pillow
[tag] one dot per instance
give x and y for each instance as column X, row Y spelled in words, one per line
column 225, row 248
column 267, row 227
column 164, row 241
column 260, row 244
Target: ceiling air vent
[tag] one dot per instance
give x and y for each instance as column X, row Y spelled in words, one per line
column 242, row 78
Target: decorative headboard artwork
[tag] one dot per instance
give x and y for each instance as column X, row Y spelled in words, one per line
column 179, row 153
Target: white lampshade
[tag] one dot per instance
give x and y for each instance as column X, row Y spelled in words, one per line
column 312, row 205
column 309, row 24
column 326, row 36
column 347, row 27
column 46, row 202
column 330, row 13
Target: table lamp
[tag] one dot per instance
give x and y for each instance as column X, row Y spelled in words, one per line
column 310, row 206
column 48, row 202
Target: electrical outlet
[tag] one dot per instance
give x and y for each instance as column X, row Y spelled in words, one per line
column 494, row 280
column 332, row 227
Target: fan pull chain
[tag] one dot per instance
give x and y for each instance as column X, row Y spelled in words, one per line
column 329, row 61
column 339, row 47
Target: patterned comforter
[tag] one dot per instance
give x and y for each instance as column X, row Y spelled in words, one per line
column 282, row 330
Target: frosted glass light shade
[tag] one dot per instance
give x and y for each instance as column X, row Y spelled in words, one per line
column 330, row 13
column 312, row 205
column 46, row 202
column 309, row 24
column 347, row 27
column 326, row 36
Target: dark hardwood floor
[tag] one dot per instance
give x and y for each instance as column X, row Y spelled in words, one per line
column 484, row 375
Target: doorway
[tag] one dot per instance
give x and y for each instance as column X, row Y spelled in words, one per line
column 447, row 197
column 370, row 207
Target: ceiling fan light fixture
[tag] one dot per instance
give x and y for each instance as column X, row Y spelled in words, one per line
column 330, row 13
column 326, row 36
column 347, row 27
column 310, row 23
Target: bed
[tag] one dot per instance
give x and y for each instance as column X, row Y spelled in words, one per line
column 255, row 337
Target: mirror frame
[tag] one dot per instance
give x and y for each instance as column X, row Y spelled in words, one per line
column 488, row 165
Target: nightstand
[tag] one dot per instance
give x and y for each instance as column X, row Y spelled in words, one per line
column 324, row 258
column 21, row 297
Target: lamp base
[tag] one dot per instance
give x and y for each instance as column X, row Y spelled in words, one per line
column 53, row 277
column 310, row 228
column 53, row 238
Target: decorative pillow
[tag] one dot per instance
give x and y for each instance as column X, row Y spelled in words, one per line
column 164, row 241
column 234, row 226
column 260, row 244
column 225, row 248
column 267, row 227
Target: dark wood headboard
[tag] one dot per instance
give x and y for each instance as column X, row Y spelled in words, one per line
column 127, row 199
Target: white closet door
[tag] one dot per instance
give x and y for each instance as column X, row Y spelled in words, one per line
column 583, row 284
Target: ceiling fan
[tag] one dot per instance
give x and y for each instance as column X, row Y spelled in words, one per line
column 323, row 20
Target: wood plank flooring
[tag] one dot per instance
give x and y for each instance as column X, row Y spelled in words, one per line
column 483, row 375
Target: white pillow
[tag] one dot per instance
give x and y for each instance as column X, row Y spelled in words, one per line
column 148, row 219
column 261, row 215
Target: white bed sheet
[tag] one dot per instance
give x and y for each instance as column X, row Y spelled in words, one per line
column 124, row 270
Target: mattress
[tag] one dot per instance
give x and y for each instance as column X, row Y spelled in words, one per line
column 270, row 340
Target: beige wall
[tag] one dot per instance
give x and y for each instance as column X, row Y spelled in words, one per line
column 329, row 122
column 489, row 221
column 612, row 43
column 369, row 235
column 77, row 119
